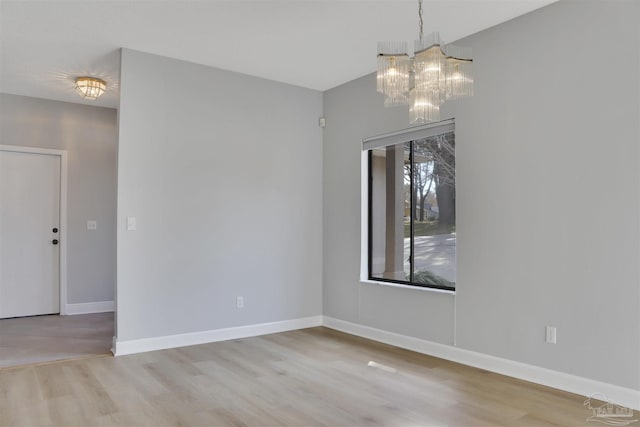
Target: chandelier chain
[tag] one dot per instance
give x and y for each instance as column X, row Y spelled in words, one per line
column 420, row 34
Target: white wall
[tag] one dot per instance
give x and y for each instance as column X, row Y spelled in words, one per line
column 548, row 198
column 89, row 134
column 223, row 173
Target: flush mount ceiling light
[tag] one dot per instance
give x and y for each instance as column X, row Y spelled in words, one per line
column 90, row 87
column 436, row 73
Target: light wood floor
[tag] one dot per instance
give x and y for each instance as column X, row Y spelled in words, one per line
column 38, row 339
column 312, row 377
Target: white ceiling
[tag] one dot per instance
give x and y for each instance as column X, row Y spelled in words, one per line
column 318, row 44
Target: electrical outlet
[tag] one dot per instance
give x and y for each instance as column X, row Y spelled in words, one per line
column 550, row 335
column 92, row 224
column 239, row 302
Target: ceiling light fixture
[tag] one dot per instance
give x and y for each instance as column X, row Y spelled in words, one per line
column 90, row 87
column 435, row 74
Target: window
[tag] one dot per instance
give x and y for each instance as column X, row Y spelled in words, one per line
column 412, row 207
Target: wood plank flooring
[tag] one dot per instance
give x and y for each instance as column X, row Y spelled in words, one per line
column 37, row 339
column 311, row 377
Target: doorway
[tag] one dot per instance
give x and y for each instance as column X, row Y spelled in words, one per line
column 32, row 231
column 33, row 194
column 85, row 140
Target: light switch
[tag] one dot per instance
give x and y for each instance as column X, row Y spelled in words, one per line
column 550, row 335
column 131, row 223
column 92, row 224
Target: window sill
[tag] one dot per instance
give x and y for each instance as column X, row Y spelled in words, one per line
column 398, row 285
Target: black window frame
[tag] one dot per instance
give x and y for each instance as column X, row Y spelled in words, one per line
column 370, row 276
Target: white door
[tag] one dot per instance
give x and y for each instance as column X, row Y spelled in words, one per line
column 29, row 234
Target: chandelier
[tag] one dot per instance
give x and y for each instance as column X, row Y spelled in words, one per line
column 90, row 87
column 436, row 73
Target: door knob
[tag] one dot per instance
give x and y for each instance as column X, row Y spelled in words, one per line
column 54, row 241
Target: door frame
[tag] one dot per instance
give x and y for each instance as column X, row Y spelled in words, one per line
column 62, row 154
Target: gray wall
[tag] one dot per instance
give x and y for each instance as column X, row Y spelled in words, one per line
column 223, row 173
column 89, row 134
column 548, row 198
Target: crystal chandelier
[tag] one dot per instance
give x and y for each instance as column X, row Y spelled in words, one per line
column 436, row 73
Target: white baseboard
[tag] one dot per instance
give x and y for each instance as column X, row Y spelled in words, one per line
column 121, row 348
column 90, row 307
column 559, row 380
